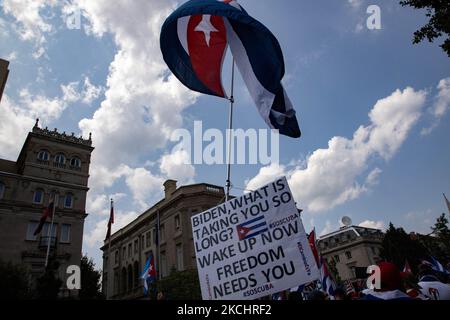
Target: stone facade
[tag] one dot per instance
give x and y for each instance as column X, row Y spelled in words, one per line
column 3, row 75
column 49, row 163
column 350, row 248
column 131, row 246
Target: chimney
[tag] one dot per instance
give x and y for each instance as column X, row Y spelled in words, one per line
column 169, row 187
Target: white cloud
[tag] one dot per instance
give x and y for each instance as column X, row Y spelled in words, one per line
column 144, row 185
column 174, row 167
column 141, row 102
column 90, row 92
column 86, row 94
column 94, row 238
column 440, row 107
column 330, row 177
column 30, row 24
column 265, row 176
column 15, row 123
column 40, row 106
column 327, row 229
column 373, row 224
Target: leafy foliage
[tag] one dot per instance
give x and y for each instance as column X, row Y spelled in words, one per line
column 48, row 285
column 14, row 282
column 90, row 281
column 398, row 246
column 439, row 24
column 182, row 285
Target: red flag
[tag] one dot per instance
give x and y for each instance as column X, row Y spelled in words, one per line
column 48, row 212
column 447, row 202
column 110, row 222
column 312, row 244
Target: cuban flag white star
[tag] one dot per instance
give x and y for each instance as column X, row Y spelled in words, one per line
column 206, row 27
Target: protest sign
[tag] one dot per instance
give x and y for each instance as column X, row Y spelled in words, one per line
column 252, row 246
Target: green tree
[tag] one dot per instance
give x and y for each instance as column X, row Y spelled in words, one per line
column 14, row 282
column 48, row 285
column 180, row 285
column 441, row 229
column 439, row 24
column 90, row 281
column 397, row 247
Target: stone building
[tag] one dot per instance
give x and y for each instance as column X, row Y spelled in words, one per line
column 352, row 249
column 3, row 75
column 132, row 245
column 50, row 163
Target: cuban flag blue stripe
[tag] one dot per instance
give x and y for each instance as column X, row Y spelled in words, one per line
column 268, row 67
column 252, row 221
column 255, row 233
column 178, row 60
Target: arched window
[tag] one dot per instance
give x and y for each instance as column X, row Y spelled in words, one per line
column 43, row 155
column 68, row 200
column 38, row 196
column 123, row 281
column 60, row 159
column 136, row 273
column 2, row 190
column 75, row 162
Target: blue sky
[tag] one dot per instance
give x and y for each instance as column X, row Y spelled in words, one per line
column 373, row 108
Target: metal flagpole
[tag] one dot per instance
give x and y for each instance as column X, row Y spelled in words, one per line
column 230, row 135
column 55, row 201
column 109, row 274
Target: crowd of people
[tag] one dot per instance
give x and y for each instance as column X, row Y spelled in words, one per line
column 427, row 284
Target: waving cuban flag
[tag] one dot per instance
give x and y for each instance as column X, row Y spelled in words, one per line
column 149, row 274
column 194, row 40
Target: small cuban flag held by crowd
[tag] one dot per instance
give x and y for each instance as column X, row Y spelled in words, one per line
column 149, row 274
column 194, row 40
column 328, row 285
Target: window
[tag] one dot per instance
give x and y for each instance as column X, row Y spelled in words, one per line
column 162, row 233
column 129, row 250
column 124, row 253
column 65, row 233
column 68, row 200
column 32, row 225
column 75, row 162
column 177, row 223
column 43, row 155
column 179, row 252
column 336, row 258
column 148, row 239
column 38, row 196
column 60, row 159
column 116, row 257
column 2, row 190
column 348, row 254
column 46, row 229
column 136, row 246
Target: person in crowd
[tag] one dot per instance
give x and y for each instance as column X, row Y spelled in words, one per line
column 412, row 289
column 390, row 285
column 432, row 286
column 295, row 296
column 317, row 295
column 340, row 294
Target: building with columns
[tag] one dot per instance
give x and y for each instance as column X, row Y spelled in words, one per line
column 130, row 246
column 352, row 249
column 50, row 165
